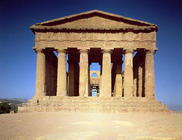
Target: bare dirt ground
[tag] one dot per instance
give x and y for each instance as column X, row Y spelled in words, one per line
column 91, row 126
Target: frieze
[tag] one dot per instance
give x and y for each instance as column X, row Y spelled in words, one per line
column 96, row 44
column 129, row 36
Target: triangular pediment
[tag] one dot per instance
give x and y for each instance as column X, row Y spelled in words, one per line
column 94, row 20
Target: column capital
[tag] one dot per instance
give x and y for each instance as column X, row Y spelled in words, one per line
column 106, row 51
column 61, row 50
column 83, row 50
column 39, row 50
column 130, row 50
column 151, row 51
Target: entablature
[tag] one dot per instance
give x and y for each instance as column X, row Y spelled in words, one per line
column 96, row 44
column 128, row 36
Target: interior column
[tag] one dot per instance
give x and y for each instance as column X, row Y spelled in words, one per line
column 40, row 73
column 118, row 86
column 61, row 76
column 100, row 79
column 128, row 73
column 83, row 80
column 106, row 73
column 76, row 78
column 71, row 75
column 149, row 74
column 140, row 80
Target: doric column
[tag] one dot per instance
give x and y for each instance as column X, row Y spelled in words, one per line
column 89, row 90
column 106, row 73
column 135, row 87
column 128, row 73
column 118, row 81
column 83, row 80
column 100, row 86
column 140, row 80
column 149, row 74
column 100, row 79
column 61, row 73
column 118, row 85
column 40, row 73
column 71, row 80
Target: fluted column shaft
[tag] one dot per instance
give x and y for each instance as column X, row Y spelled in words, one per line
column 71, row 70
column 140, row 80
column 149, row 74
column 40, row 73
column 106, row 73
column 61, row 73
column 128, row 73
column 83, row 80
column 118, row 80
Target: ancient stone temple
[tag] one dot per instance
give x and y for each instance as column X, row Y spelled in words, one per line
column 124, row 49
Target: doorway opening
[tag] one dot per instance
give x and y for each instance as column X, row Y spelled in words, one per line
column 94, row 79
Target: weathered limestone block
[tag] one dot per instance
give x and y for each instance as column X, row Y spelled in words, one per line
column 61, row 77
column 106, row 73
column 40, row 73
column 149, row 74
column 83, row 81
column 128, row 73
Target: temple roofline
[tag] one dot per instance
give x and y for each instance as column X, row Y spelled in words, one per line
column 53, row 24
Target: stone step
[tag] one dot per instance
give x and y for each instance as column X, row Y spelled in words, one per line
column 106, row 106
column 110, row 101
column 99, row 108
column 105, row 103
column 86, row 109
column 111, row 104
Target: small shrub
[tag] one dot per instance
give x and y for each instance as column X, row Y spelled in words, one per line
column 14, row 108
column 5, row 108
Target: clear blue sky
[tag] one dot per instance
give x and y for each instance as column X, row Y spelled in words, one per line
column 17, row 59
